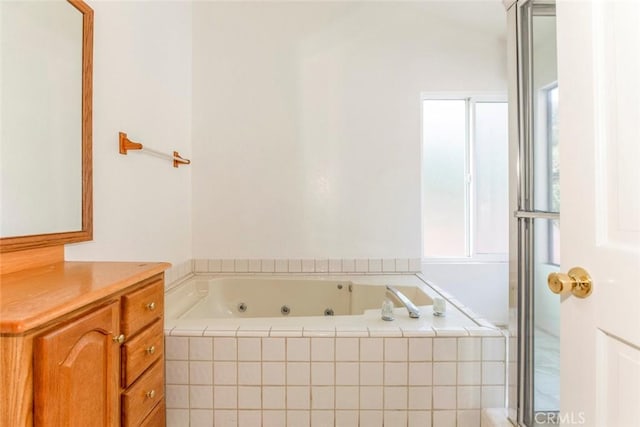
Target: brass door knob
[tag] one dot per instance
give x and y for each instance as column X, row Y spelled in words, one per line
column 577, row 281
column 151, row 394
column 119, row 339
column 151, row 350
column 151, row 306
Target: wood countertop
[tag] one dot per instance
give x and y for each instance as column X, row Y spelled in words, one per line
column 34, row 297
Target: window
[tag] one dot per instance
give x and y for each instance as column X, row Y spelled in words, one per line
column 465, row 177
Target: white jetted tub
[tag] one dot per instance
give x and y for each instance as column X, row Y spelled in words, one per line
column 265, row 303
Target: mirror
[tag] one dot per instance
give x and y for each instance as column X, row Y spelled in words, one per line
column 45, row 123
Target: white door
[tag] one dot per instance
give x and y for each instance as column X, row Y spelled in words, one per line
column 599, row 80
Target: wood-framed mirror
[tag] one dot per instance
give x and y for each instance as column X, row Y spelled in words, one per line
column 46, row 82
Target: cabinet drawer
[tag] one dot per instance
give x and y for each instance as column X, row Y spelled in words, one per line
column 141, row 307
column 156, row 418
column 143, row 396
column 140, row 352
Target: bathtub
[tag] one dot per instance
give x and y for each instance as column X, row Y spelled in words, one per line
column 314, row 351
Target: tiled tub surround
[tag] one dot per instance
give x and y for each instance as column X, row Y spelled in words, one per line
column 334, row 371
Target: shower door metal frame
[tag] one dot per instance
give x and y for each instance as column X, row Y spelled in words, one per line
column 521, row 248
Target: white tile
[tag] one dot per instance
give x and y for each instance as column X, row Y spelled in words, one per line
column 176, row 348
column 451, row 331
column 362, row 265
column 201, row 265
column 201, row 348
column 469, row 373
column 347, row 349
column 298, row 397
column 443, row 418
column 268, row 265
column 298, row 349
column 201, row 396
column 375, row 265
column 177, row 417
column 177, row 396
column 469, row 349
column 225, row 397
column 348, row 265
column 201, row 418
column 469, row 418
column 225, row 418
column 298, row 418
column 241, row 266
column 493, row 348
column 388, row 265
column 322, row 349
column 493, row 373
column 249, row 373
column 395, row 349
column 227, row 265
column 308, row 265
column 371, row 418
column 420, row 373
column 322, row 373
column 249, row 397
column 215, row 265
column 444, row 373
column 347, row 418
column 469, row 397
column 298, row 373
column 347, row 373
column 335, row 265
column 371, row 373
column 322, row 397
column 444, row 397
column 347, row 397
column 273, row 349
column 395, row 398
column 224, row 373
column 492, row 396
column 415, row 265
column 420, row 349
column 255, row 265
column 419, row 419
column 201, row 373
column 371, row 349
column 288, row 331
column 273, row 373
column 395, row 373
column 419, row 398
column 295, row 266
column 281, row 266
column 322, row 265
column 225, row 348
column 249, row 418
column 273, row 418
column 249, row 349
column 402, row 265
column 395, row 418
column 371, row 398
column 445, row 349
column 176, row 372
column 385, row 331
column 273, row 397
column 322, row 419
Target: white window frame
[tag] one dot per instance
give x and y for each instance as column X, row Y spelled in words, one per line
column 470, row 190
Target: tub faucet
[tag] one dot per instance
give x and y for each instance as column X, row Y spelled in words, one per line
column 411, row 308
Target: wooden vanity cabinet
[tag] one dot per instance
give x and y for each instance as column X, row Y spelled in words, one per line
column 79, row 368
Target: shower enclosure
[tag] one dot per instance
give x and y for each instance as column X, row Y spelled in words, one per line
column 534, row 361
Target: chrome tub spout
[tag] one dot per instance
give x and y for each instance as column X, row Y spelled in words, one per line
column 414, row 312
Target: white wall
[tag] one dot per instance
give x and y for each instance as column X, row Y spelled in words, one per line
column 142, row 86
column 482, row 287
column 306, row 120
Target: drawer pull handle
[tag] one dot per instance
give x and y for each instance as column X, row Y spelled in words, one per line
column 151, row 306
column 119, row 339
column 151, row 394
column 151, row 349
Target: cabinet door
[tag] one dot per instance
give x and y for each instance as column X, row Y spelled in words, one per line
column 76, row 372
